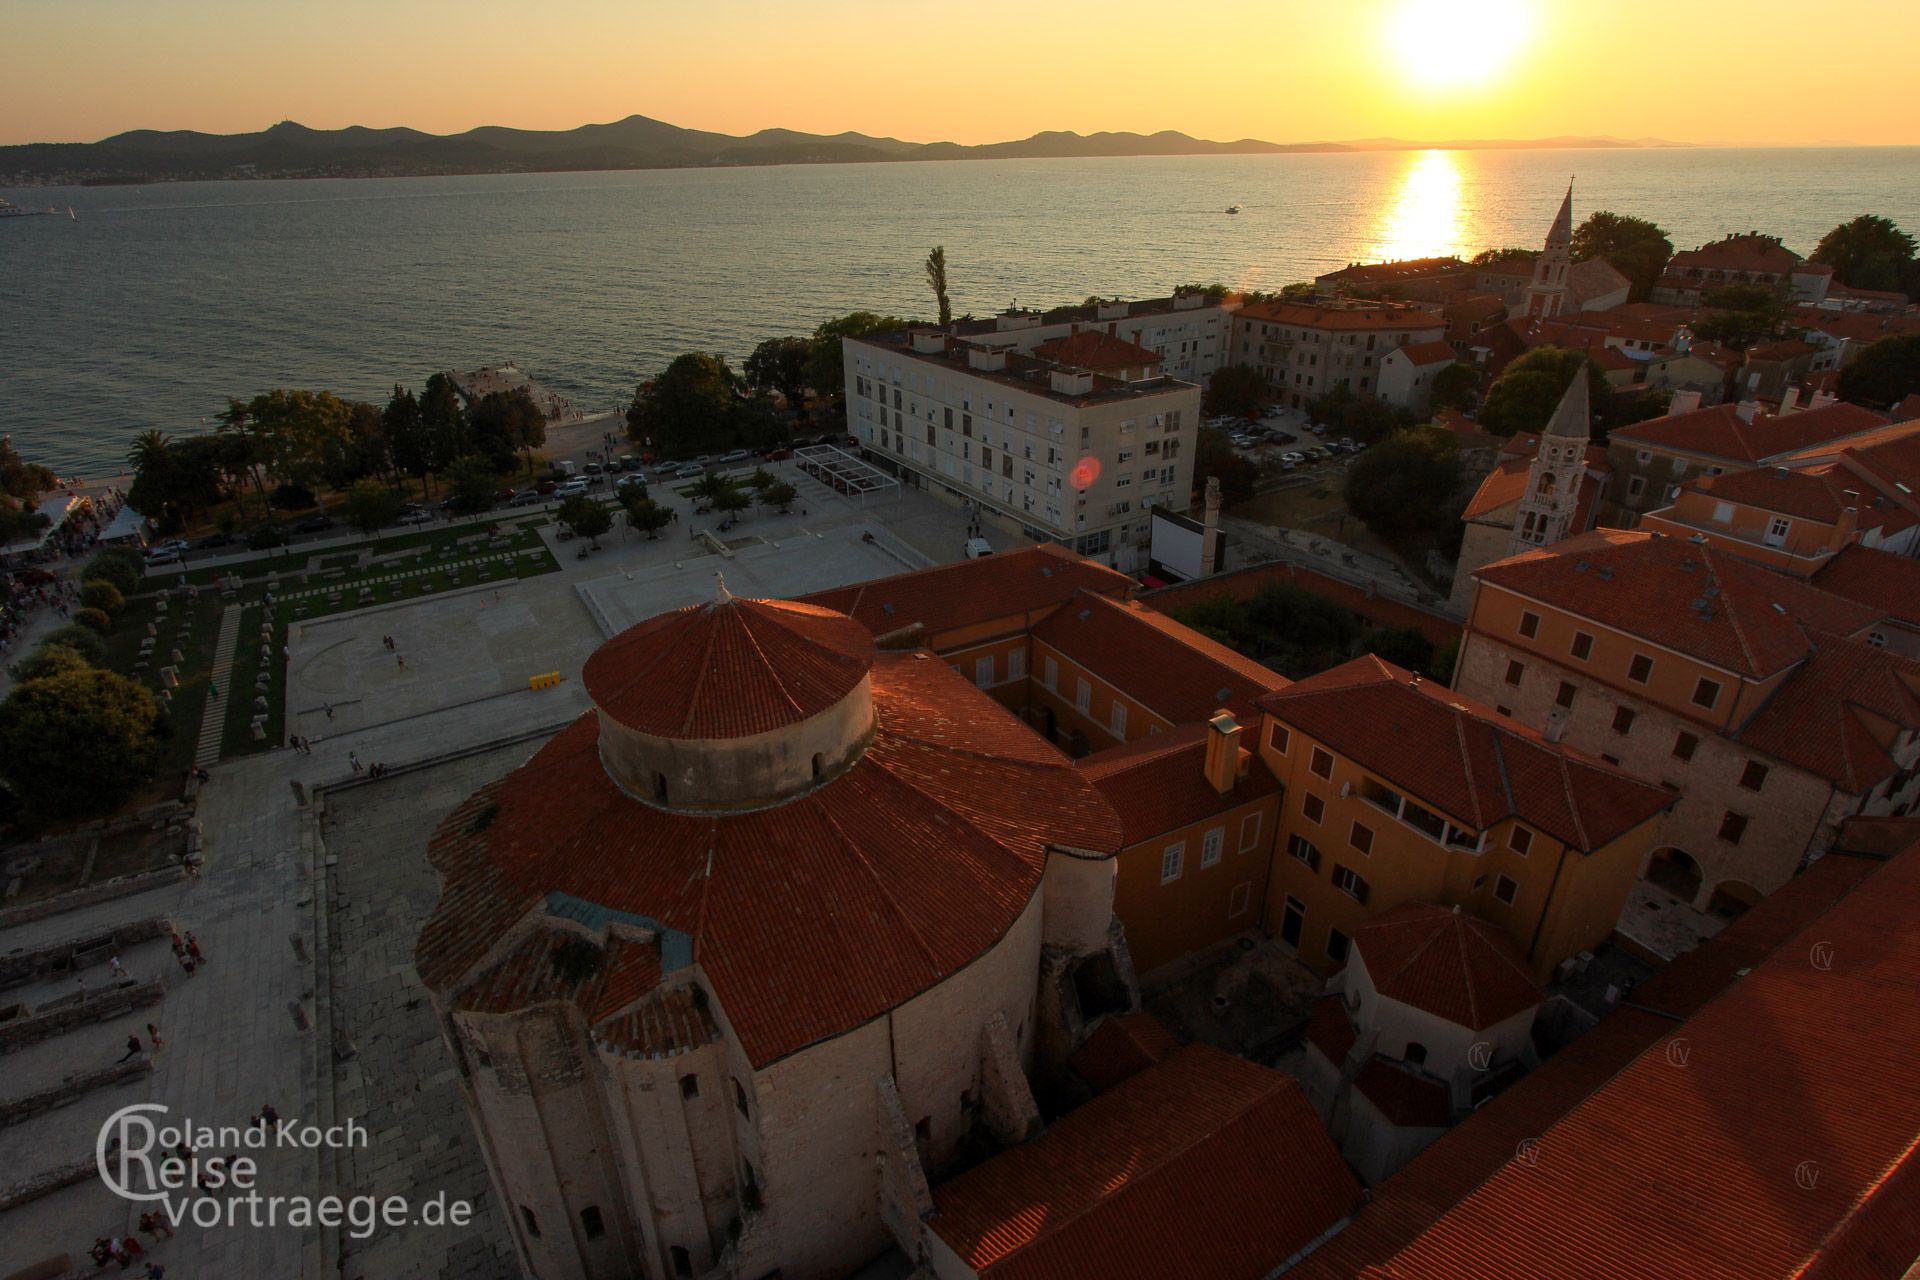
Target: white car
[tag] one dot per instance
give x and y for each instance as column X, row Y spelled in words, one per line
column 571, row 488
column 1293, row 457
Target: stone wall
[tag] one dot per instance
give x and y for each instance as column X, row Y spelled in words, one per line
column 64, row 1016
column 105, row 891
column 14, row 1110
column 21, row 966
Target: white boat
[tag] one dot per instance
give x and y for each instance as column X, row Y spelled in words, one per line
column 8, row 209
column 71, row 215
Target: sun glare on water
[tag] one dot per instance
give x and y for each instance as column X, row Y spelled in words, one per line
column 1459, row 44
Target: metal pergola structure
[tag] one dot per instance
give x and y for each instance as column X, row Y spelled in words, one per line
column 843, row 472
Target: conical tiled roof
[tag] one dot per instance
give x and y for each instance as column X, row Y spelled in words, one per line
column 1572, row 416
column 1562, row 232
column 1447, row 963
column 729, row 668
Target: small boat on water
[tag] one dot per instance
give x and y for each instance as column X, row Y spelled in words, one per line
column 71, row 215
column 1233, row 208
column 8, row 209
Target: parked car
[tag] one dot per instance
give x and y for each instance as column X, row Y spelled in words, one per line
column 524, row 498
column 1293, row 457
column 629, row 463
column 1282, row 437
column 691, row 471
column 779, row 455
column 546, row 487
column 593, row 468
column 415, row 517
column 1317, row 428
column 737, row 455
column 213, row 540
column 631, row 482
column 571, row 488
column 313, row 524
column 700, row 460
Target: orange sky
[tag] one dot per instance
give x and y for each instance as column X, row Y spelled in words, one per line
column 1284, row 70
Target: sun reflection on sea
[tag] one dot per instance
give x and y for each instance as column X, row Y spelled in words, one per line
column 1424, row 220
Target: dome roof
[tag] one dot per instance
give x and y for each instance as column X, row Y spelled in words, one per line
column 730, row 668
column 806, row 919
column 1447, row 963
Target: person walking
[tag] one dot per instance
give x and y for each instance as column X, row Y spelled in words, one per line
column 213, row 690
column 328, row 708
column 116, row 969
column 193, row 948
column 353, row 759
column 179, row 944
column 153, row 1037
column 133, row 1049
column 401, row 658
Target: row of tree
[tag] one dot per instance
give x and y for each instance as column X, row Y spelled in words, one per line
column 1298, row 632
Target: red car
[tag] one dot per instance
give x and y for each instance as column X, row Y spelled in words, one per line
column 779, row 455
column 547, row 486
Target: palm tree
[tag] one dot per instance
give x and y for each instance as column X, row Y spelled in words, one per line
column 937, row 277
column 148, row 449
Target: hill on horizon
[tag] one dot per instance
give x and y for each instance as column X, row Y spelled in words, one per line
column 292, row 150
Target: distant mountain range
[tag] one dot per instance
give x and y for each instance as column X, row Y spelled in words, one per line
column 290, row 150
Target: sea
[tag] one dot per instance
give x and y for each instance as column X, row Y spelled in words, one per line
column 153, row 304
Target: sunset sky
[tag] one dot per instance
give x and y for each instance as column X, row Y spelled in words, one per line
column 1729, row 71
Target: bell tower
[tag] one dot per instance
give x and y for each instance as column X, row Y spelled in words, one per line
column 1548, row 506
column 1547, row 294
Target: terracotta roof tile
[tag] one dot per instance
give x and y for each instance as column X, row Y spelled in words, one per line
column 1445, row 962
column 1096, row 350
column 1341, row 319
column 1687, row 596
column 728, row 668
column 1462, row 758
column 967, row 593
column 1191, row 676
column 1121, row 1047
column 1405, row 1097
column 1719, row 432
column 1158, row 783
column 1749, row 253
column 1203, row 1167
column 1880, row 580
column 1594, row 278
column 806, row 919
column 1839, row 716
column 1426, row 353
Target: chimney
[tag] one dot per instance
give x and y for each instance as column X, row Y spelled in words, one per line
column 1210, row 530
column 1746, row 409
column 1223, row 751
column 1821, row 399
column 1556, row 726
column 1789, row 401
column 1848, row 529
column 1683, row 402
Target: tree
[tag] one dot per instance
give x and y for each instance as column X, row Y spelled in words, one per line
column 1503, row 257
column 687, row 409
column 644, row 513
column 297, row 433
column 409, row 443
column 1343, row 412
column 587, row 518
column 49, row 660
column 102, row 595
column 503, row 423
column 471, row 482
column 1214, row 455
column 732, row 500
column 1885, row 373
column 371, row 506
column 1402, row 646
column 95, row 620
column 1215, row 292
column 149, row 449
column 1404, row 486
column 1636, row 248
column 780, row 364
column 78, row 744
column 80, row 640
column 1740, row 315
column 826, row 371
column 21, row 483
column 1236, row 389
column 443, row 420
column 1871, row 253
column 937, row 278
column 779, row 495
column 1454, row 387
column 1525, row 395
column 122, row 566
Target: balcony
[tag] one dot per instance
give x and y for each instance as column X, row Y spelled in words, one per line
column 1422, row 819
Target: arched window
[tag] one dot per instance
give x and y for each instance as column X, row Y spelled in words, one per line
column 531, row 1223
column 660, row 787
column 740, row 1100
column 819, row 764
column 591, row 1224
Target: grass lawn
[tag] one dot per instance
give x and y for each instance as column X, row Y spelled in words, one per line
column 193, row 627
column 434, row 538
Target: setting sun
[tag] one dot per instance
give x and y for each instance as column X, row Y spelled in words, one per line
column 1459, row 43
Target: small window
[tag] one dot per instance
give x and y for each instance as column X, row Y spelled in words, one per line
column 1172, row 859
column 819, row 764
column 1321, row 765
column 1623, row 720
column 1312, row 808
column 682, row 1261
column 1564, row 696
column 1303, row 849
column 1506, row 888
column 1514, row 671
column 1338, row 945
column 1520, row 840
column 531, row 1223
column 1240, row 899
column 1250, row 832
column 983, row 671
column 1211, row 846
column 1582, row 645
column 1361, row 837
column 689, row 1086
column 1754, row 776
column 1416, row 1054
column 590, row 1224
column 660, row 787
column 1050, row 673
column 1278, row 738
column 1117, row 718
column 1349, row 881
column 1706, row 693
column 1684, row 745
column 740, row 1100
column 1083, row 694
column 1640, row 669
column 1529, row 624
column 1733, row 826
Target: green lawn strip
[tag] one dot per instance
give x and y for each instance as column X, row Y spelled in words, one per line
column 236, row 732
column 178, row 748
column 524, row 531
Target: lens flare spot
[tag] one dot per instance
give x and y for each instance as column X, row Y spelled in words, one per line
column 1084, row 473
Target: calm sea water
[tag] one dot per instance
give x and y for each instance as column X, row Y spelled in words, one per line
column 161, row 301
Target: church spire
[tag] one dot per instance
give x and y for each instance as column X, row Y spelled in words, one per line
column 1562, row 233
column 1572, row 416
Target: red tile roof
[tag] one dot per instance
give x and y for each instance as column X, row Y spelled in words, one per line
column 1404, row 1096
column 1171, row 669
column 1461, row 757
column 1785, row 349
column 1342, row 319
column 1426, row 353
column 1838, row 716
column 805, row 919
column 728, row 668
column 1790, row 1122
column 1121, row 1047
column 1878, row 579
column 1503, row 486
column 1096, row 350
column 1858, row 327
column 1687, row 596
column 1158, row 783
column 1809, row 493
column 1718, row 432
column 1514, row 1123
column 1749, row 253
column 1204, row 1167
column 1445, row 962
column 1595, row 278
column 1244, row 584
column 943, row 599
column 1330, row 1029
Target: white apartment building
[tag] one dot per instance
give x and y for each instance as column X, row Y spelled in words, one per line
column 1190, row 332
column 1306, row 349
column 1060, row 452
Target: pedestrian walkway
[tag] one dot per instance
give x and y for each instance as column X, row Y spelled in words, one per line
column 214, row 718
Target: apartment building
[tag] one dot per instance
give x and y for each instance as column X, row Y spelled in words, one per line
column 1305, row 349
column 1398, row 789
column 1772, row 709
column 1057, row 451
column 1188, row 331
column 1750, row 259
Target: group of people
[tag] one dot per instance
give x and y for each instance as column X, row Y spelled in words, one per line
column 22, row 596
column 378, row 770
column 186, row 949
column 126, row 1250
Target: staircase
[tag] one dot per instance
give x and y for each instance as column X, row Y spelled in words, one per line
column 213, row 719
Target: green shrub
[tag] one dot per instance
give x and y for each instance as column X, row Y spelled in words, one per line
column 82, row 641
column 122, row 566
column 48, row 660
column 95, row 620
column 98, row 593
column 79, row 744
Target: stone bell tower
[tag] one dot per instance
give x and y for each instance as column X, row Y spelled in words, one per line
column 1547, row 294
column 1548, row 507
